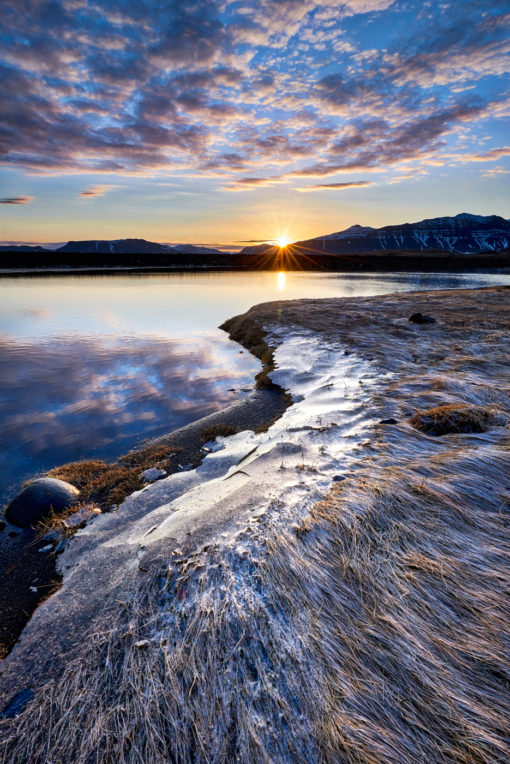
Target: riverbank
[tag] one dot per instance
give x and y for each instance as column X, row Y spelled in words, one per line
column 289, row 259
column 31, row 576
column 330, row 590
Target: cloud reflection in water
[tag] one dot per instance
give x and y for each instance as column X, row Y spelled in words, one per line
column 77, row 397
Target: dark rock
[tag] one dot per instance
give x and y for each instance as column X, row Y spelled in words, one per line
column 389, row 421
column 420, row 318
column 38, row 499
column 17, row 704
column 339, row 478
column 2, row 526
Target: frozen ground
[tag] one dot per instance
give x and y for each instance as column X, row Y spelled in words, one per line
column 330, row 590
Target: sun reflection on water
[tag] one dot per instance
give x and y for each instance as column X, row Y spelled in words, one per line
column 280, row 280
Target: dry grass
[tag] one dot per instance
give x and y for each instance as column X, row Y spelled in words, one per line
column 217, row 431
column 455, row 418
column 371, row 629
column 67, row 522
column 107, row 484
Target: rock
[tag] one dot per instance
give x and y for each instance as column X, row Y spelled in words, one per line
column 420, row 318
column 152, row 474
column 38, row 499
column 388, row 421
column 339, row 478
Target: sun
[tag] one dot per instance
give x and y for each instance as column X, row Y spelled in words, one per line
column 282, row 241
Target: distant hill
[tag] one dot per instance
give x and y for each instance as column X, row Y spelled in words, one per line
column 132, row 246
column 20, row 248
column 463, row 234
column 191, row 249
column 258, row 249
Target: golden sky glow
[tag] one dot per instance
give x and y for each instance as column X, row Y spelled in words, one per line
column 231, row 124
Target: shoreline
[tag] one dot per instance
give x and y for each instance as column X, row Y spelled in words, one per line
column 32, row 576
column 344, row 542
column 396, row 261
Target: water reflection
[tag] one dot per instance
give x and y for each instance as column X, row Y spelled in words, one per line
column 94, row 397
column 89, row 364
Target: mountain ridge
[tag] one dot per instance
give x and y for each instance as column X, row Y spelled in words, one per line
column 132, row 246
column 464, row 233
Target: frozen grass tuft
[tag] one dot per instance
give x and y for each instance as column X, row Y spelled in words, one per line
column 456, row 418
column 107, row 484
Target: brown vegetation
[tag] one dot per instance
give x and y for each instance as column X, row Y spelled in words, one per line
column 108, row 484
column 216, row 431
column 455, row 418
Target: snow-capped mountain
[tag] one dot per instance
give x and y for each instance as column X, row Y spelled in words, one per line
column 462, row 234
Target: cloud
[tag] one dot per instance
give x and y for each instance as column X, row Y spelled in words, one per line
column 17, row 200
column 91, row 192
column 97, row 191
column 269, row 88
column 382, row 145
column 248, row 183
column 488, row 156
column 337, row 186
column 494, row 172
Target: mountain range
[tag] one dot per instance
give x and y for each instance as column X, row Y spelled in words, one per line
column 118, row 247
column 463, row 234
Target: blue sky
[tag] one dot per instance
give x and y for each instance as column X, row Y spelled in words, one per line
column 225, row 122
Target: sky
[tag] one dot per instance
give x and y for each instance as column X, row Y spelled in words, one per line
column 226, row 123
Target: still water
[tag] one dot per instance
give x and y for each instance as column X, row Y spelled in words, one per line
column 92, row 365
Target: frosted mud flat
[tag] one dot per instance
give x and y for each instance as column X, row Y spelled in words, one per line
column 262, row 608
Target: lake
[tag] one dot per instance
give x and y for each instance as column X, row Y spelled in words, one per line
column 92, row 365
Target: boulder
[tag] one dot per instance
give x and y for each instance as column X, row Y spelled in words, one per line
column 38, row 499
column 421, row 318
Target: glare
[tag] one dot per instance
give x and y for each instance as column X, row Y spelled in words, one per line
column 282, row 241
column 280, row 280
